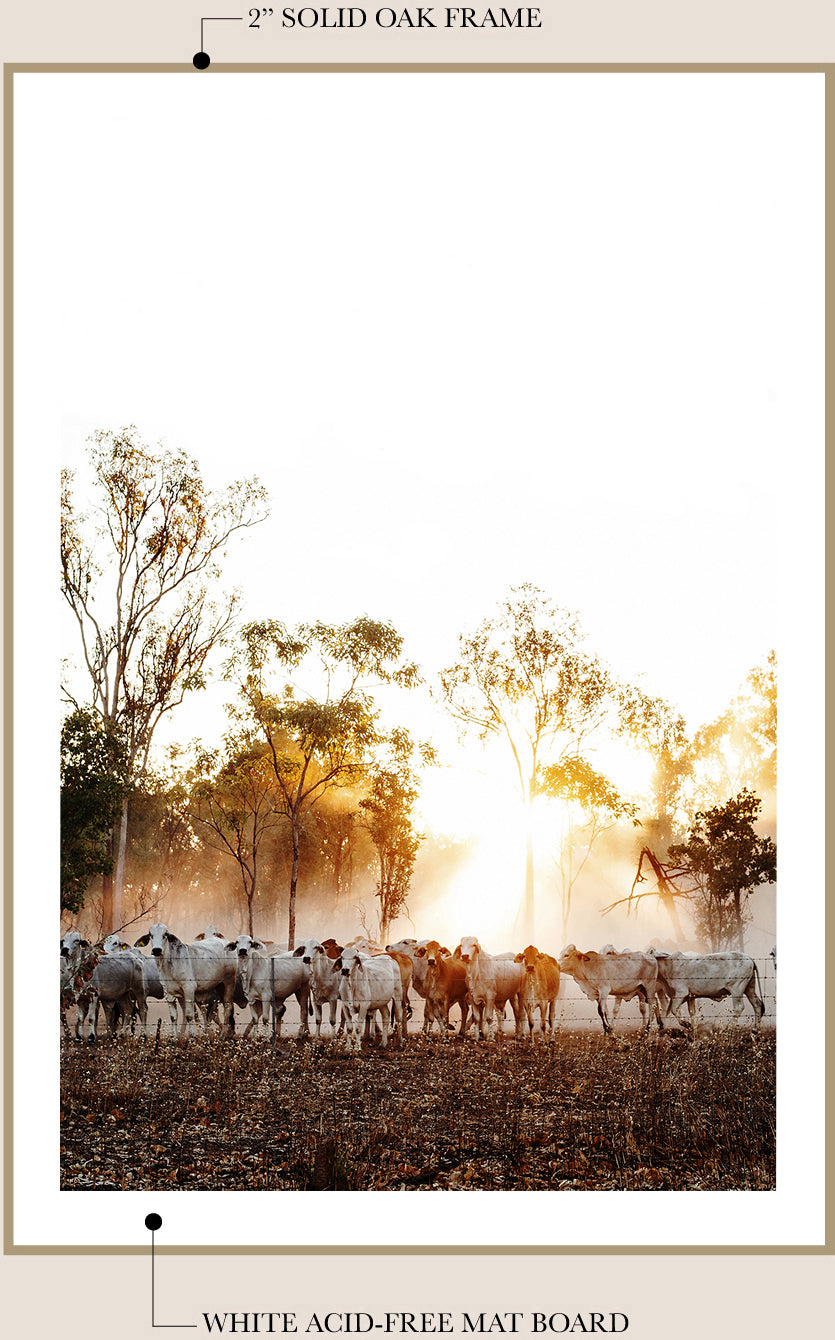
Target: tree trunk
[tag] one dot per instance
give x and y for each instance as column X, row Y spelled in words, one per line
column 527, row 919
column 294, row 879
column 740, row 934
column 107, row 902
column 117, row 919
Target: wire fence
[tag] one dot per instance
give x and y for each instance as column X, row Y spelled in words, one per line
column 575, row 1012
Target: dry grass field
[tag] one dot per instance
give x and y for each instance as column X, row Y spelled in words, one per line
column 587, row 1112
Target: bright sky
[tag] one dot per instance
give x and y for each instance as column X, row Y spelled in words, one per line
column 577, row 354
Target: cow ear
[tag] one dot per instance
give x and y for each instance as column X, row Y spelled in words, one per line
column 169, row 935
column 586, row 958
column 445, row 951
column 420, row 952
column 201, row 936
column 231, row 944
column 258, row 944
column 520, row 958
column 456, row 953
column 297, row 953
column 143, row 940
column 337, row 964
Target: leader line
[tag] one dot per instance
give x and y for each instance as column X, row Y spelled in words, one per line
column 200, row 60
column 153, row 1222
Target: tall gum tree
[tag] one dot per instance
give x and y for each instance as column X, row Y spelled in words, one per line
column 308, row 693
column 525, row 677
column 230, row 798
column 137, row 570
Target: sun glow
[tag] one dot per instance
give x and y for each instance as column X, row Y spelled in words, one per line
column 474, row 801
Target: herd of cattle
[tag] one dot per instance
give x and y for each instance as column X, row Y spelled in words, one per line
column 361, row 981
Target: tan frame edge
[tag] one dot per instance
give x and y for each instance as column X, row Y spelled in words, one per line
column 10, row 1248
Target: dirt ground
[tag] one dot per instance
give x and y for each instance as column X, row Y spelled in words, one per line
column 584, row 1112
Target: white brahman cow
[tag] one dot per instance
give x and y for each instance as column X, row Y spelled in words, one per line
column 367, row 984
column 273, row 977
column 190, row 971
column 492, row 981
column 324, row 985
column 692, row 977
column 620, row 975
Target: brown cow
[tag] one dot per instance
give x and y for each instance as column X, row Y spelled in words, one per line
column 540, row 988
column 445, row 985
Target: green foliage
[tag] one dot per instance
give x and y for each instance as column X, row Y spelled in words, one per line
column 727, row 859
column 94, row 781
column 387, row 815
column 232, row 801
column 307, row 693
column 526, row 676
column 575, row 780
column 739, row 748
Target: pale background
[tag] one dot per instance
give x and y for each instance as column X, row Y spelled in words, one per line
column 602, row 366
column 75, row 1296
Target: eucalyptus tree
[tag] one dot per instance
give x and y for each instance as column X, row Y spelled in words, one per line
column 94, row 782
column 388, row 818
column 591, row 804
column 140, row 571
column 727, row 859
column 231, row 800
column 524, row 676
column 307, row 691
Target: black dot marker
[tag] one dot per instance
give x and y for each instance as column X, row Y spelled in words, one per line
column 201, row 61
column 153, row 1221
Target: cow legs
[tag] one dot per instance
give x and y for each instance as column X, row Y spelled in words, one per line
column 171, row 1002
column 646, row 1002
column 142, row 1010
column 602, row 1010
column 757, row 1005
column 191, row 1012
column 360, row 1014
column 302, row 996
column 90, row 1014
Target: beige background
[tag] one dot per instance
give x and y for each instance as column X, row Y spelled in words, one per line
column 765, row 1296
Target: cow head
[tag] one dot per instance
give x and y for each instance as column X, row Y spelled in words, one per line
column 407, row 946
column 210, row 933
column 468, row 948
column 434, row 953
column 158, row 937
column 349, row 960
column 243, row 944
column 569, row 959
column 530, row 957
column 307, row 951
column 114, row 944
column 72, row 944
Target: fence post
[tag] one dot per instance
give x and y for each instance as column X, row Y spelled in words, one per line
column 272, row 993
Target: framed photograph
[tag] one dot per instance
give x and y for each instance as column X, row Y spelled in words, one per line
column 438, row 463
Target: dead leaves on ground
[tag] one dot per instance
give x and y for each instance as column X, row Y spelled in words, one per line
column 577, row 1115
